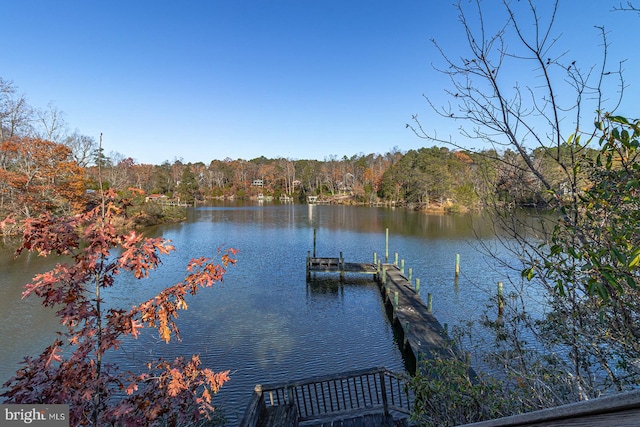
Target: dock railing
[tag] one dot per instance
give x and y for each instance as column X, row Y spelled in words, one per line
column 338, row 396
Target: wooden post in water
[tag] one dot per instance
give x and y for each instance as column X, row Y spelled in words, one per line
column 410, row 276
column 341, row 262
column 429, row 303
column 308, row 263
column 417, row 285
column 395, row 301
column 457, row 265
column 500, row 299
column 314, row 242
column 386, row 246
column 402, row 266
column 396, row 261
column 375, row 258
column 405, row 329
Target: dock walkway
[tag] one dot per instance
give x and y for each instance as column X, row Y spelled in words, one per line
column 423, row 334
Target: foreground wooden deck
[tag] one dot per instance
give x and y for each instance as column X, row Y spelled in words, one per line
column 371, row 420
column 371, row 397
column 618, row 410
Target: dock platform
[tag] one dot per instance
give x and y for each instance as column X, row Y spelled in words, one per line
column 338, row 265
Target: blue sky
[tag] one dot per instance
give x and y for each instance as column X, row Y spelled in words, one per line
column 301, row 79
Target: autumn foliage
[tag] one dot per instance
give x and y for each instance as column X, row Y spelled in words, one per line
column 38, row 175
column 72, row 370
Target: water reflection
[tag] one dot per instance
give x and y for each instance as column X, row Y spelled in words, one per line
column 355, row 218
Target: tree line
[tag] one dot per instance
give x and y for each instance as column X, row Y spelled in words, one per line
column 44, row 167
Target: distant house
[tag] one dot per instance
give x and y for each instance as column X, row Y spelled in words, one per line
column 257, row 183
column 156, row 198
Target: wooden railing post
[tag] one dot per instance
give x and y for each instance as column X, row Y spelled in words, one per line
column 255, row 408
column 290, row 395
column 383, row 390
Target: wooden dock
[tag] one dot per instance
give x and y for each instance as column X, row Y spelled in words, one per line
column 372, row 397
column 422, row 334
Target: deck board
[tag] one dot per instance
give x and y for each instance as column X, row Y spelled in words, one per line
column 333, row 265
column 367, row 420
column 280, row 415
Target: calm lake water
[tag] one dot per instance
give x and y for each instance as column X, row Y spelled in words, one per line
column 265, row 323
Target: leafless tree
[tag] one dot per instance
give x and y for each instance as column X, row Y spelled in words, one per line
column 627, row 7
column 531, row 106
column 500, row 106
column 50, row 124
column 16, row 115
column 82, row 147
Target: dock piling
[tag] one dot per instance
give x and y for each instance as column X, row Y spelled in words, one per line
column 386, row 246
column 457, row 265
column 314, row 242
column 405, row 330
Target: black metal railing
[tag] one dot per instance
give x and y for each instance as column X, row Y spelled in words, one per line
column 345, row 394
